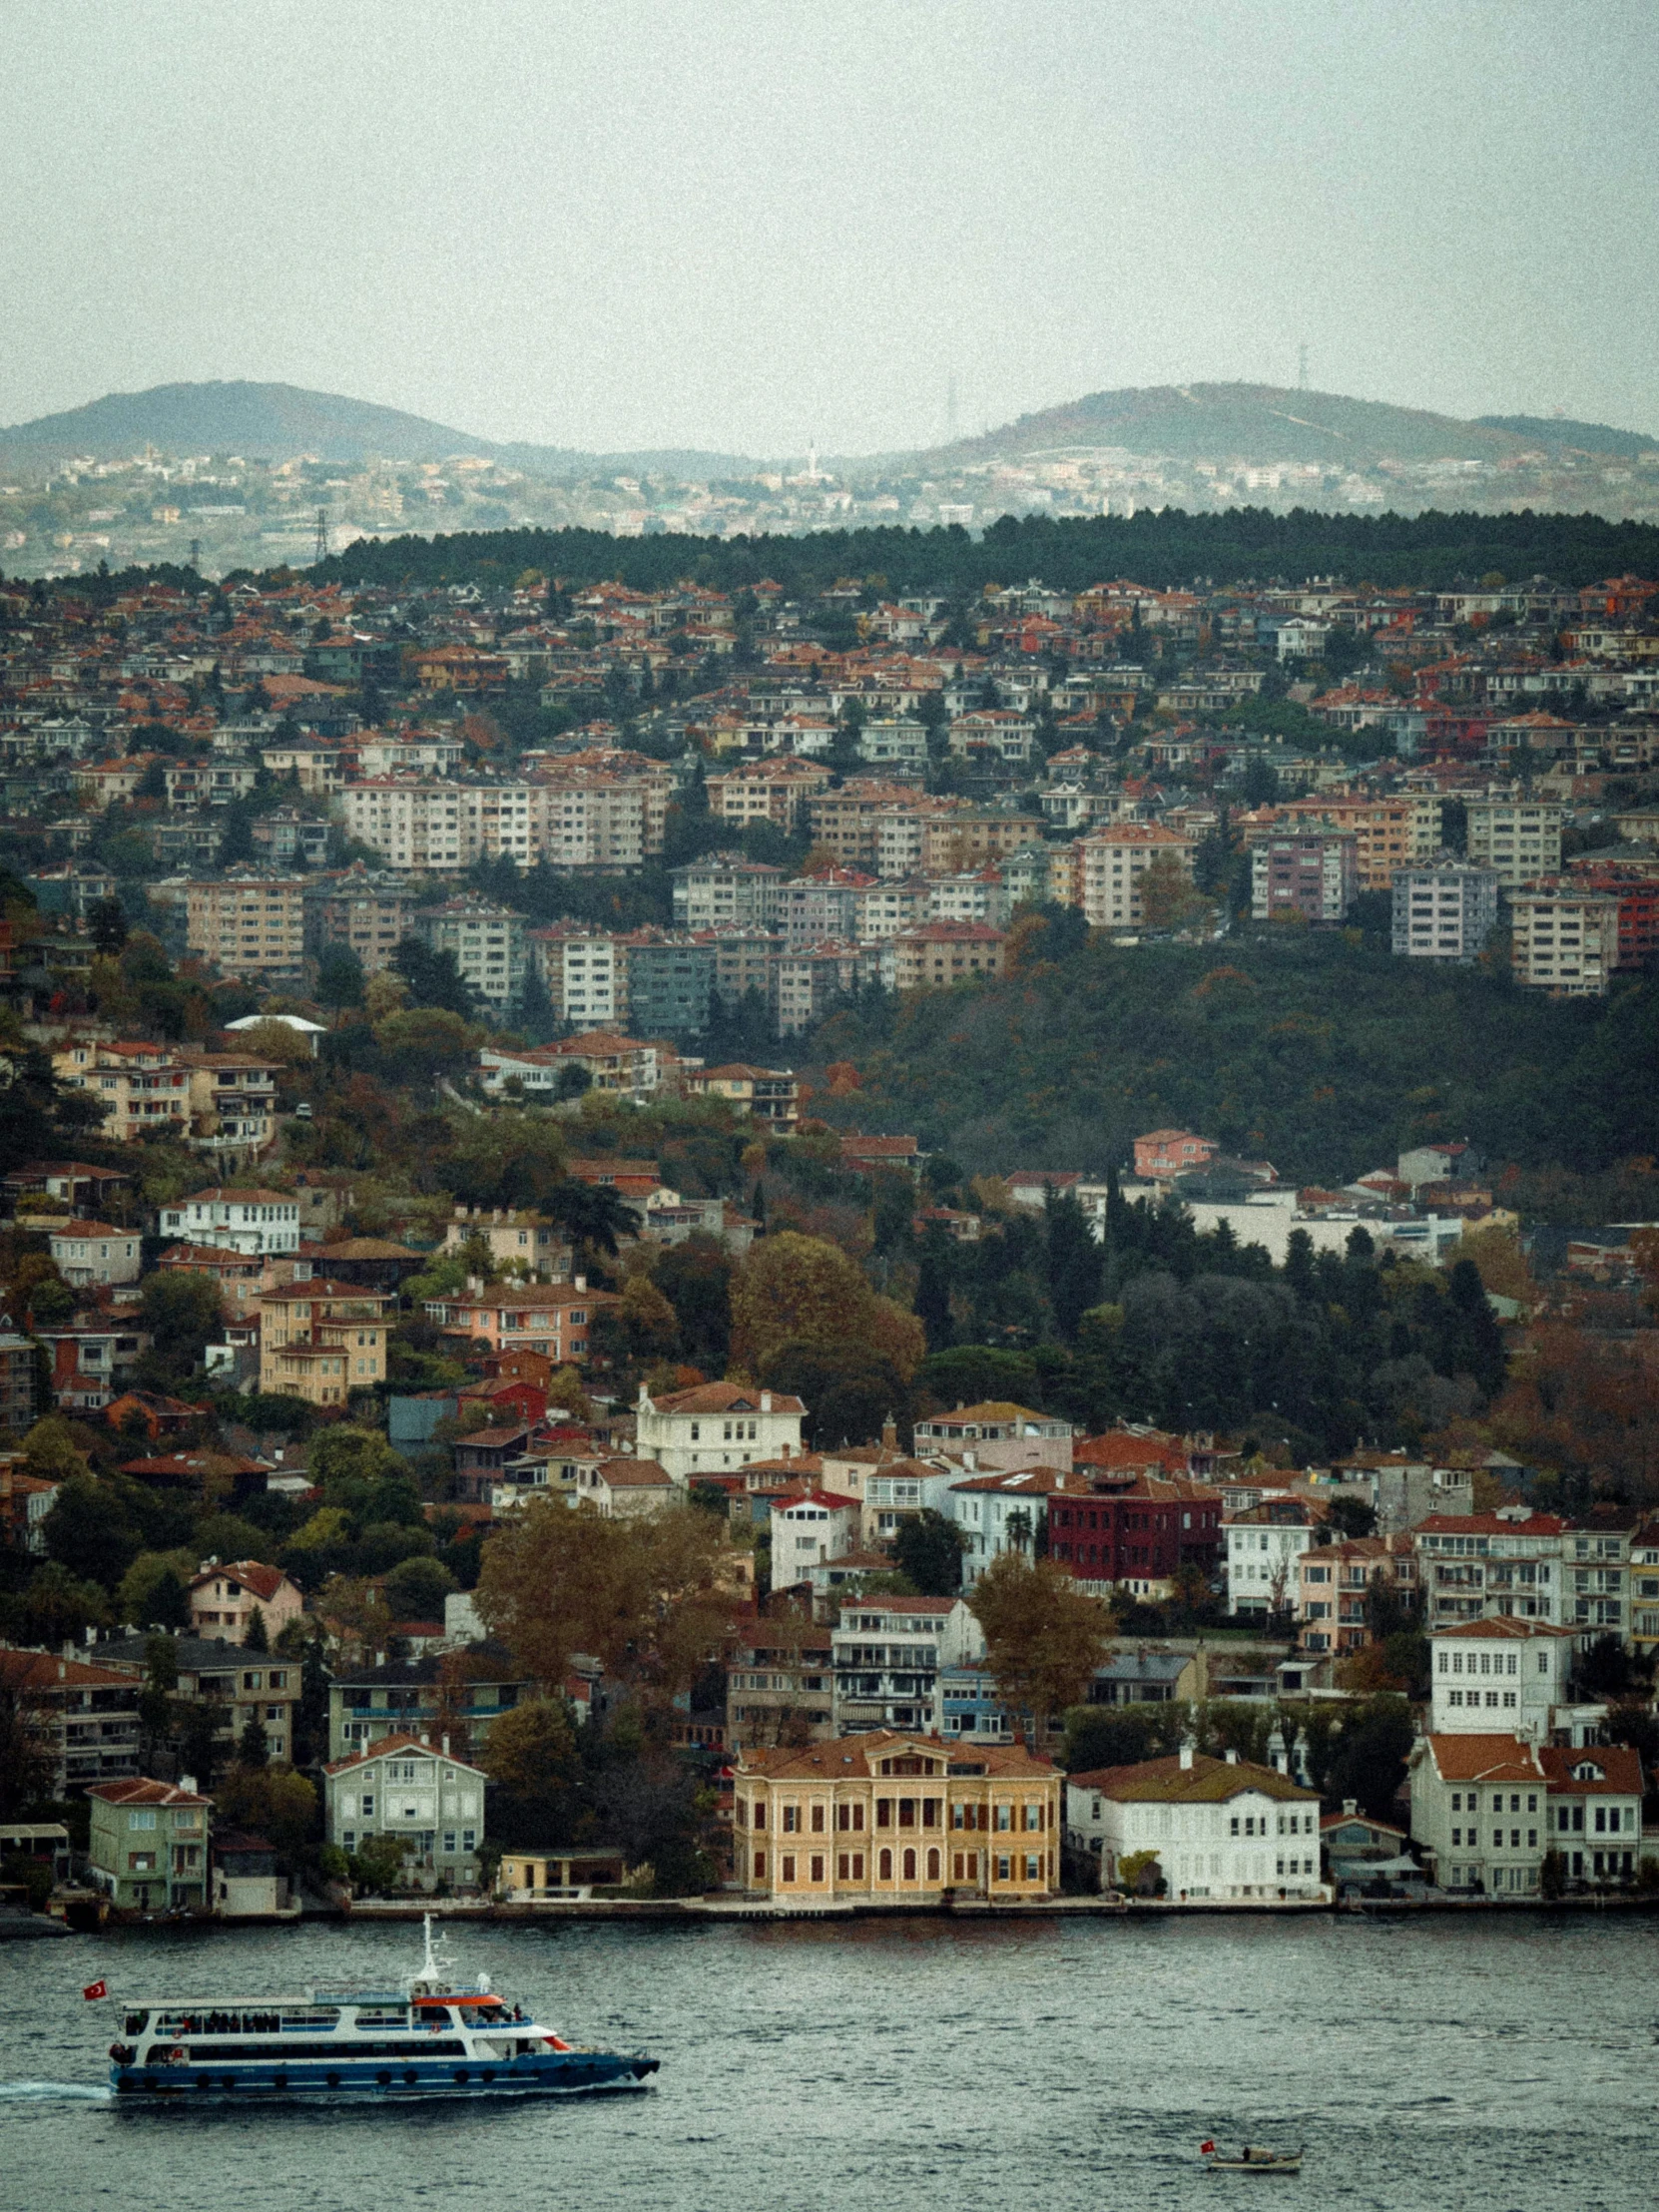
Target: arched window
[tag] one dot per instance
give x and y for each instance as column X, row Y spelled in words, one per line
column 909, row 1865
column 886, row 1866
column 932, row 1866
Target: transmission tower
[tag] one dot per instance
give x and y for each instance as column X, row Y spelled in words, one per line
column 322, row 533
column 1301, row 367
column 195, row 555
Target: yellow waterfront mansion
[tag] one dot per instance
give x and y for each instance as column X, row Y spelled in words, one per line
column 900, row 1819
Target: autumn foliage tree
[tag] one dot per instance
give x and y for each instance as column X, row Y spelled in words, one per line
column 794, row 1290
column 644, row 1597
column 1043, row 1636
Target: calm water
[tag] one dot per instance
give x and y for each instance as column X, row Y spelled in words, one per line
column 1500, row 2068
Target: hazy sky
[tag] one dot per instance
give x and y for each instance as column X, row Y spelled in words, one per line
column 749, row 225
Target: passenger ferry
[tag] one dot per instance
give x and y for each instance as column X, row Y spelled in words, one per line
column 428, row 2038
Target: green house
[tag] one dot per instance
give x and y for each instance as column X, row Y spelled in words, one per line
column 148, row 1844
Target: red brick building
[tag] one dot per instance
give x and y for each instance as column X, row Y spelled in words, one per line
column 1109, row 1526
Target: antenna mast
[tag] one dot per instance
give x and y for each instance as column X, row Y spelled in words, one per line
column 322, row 533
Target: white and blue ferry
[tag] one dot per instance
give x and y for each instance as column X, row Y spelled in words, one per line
column 428, row 2038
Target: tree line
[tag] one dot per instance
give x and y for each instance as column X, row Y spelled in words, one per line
column 1423, row 551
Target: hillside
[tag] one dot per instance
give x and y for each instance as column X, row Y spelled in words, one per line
column 278, row 422
column 1255, row 423
column 1558, row 434
column 1325, row 1056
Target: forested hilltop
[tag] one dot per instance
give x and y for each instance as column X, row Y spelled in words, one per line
column 1316, row 1051
column 1172, row 547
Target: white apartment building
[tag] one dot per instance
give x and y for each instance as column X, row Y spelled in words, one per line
column 1443, row 913
column 1564, row 939
column 1502, row 1677
column 487, row 942
column 724, row 887
column 716, row 1427
column 236, row 1221
column 1000, row 1512
column 887, row 1653
column 895, row 745
column 1518, row 839
column 899, row 840
column 1215, row 1828
column 1509, row 1563
column 434, row 826
column 978, row 894
column 1115, row 862
column 1264, row 1545
column 809, row 1531
column 1480, row 1810
column 586, row 819
column 586, row 974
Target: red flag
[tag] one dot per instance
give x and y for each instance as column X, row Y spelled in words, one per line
column 96, row 1989
column 1206, row 2146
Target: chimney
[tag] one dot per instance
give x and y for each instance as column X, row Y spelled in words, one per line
column 766, row 1402
column 1231, row 1757
column 446, row 1747
column 1351, row 1806
column 1187, row 1749
column 581, row 1283
column 890, row 1434
column 186, row 1783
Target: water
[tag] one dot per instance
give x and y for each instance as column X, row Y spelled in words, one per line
column 1503, row 2065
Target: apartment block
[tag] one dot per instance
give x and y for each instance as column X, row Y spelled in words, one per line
column 1565, row 938
column 584, row 970
column 369, row 911
column 1115, row 862
column 428, row 826
column 586, row 819
column 767, row 790
column 141, row 1087
column 487, row 942
column 1314, row 874
column 937, row 953
column 1517, row 839
column 670, row 983
column 249, row 927
column 724, row 887
column 1444, row 912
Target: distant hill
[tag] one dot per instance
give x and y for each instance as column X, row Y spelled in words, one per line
column 1559, row 435
column 1263, row 423
column 278, row 422
column 1256, row 422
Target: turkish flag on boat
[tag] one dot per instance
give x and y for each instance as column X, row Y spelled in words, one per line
column 1206, row 2146
column 96, row 1989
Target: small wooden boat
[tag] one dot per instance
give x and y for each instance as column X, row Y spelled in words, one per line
column 1254, row 2158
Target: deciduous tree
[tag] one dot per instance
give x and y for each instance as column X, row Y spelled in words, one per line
column 1043, row 1636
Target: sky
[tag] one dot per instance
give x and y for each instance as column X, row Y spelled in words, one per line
column 757, row 225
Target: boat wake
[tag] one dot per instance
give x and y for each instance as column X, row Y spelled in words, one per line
column 56, row 2092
